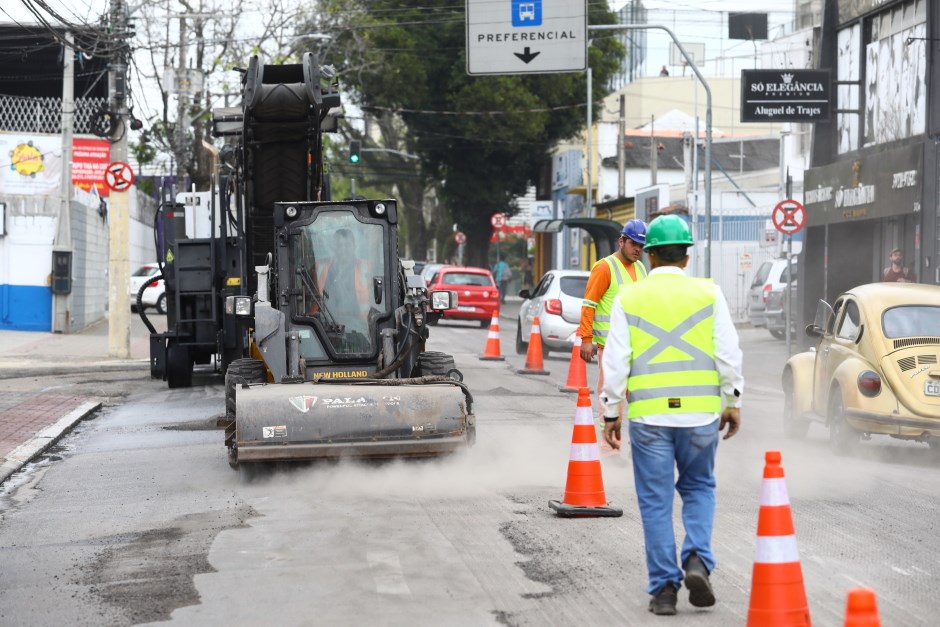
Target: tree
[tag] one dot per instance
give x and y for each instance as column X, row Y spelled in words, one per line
column 481, row 138
column 211, row 39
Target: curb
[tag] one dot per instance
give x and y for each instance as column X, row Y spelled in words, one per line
column 44, row 439
column 20, row 371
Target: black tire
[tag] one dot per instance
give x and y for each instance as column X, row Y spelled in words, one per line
column 485, row 323
column 161, row 304
column 179, row 367
column 779, row 334
column 521, row 347
column 435, row 363
column 794, row 427
column 843, row 439
column 432, row 319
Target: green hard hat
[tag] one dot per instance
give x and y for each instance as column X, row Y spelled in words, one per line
column 666, row 230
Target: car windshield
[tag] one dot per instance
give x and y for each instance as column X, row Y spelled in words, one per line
column 466, row 278
column 911, row 321
column 573, row 285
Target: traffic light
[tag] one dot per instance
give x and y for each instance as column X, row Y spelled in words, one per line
column 355, row 146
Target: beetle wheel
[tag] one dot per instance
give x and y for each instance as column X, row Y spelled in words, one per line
column 842, row 437
column 794, row 427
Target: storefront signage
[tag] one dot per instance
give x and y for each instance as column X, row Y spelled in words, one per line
column 849, row 10
column 879, row 185
column 785, row 95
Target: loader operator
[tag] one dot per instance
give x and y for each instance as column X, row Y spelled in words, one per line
column 608, row 275
column 343, row 280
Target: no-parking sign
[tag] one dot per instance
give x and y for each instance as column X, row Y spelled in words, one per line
column 119, row 176
column 789, row 216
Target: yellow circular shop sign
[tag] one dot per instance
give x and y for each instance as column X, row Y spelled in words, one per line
column 26, row 159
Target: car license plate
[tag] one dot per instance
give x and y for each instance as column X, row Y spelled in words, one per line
column 464, row 308
column 931, row 387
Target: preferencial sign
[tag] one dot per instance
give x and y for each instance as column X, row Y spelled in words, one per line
column 785, row 95
column 526, row 36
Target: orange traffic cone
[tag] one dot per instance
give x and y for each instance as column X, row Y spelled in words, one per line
column 861, row 608
column 577, row 370
column 491, row 350
column 533, row 357
column 778, row 598
column 584, row 491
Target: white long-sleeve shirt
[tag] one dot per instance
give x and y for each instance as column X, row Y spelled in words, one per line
column 618, row 355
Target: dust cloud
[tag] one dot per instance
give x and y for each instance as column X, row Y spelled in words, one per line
column 518, row 457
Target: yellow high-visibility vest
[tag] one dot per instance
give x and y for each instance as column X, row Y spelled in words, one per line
column 672, row 371
column 618, row 278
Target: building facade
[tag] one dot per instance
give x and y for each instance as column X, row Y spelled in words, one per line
column 873, row 181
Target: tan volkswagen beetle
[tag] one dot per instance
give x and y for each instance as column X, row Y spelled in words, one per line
column 874, row 369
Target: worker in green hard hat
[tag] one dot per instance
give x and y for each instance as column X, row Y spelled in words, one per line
column 672, row 344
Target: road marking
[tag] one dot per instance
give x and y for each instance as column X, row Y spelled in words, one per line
column 387, row 573
column 901, row 571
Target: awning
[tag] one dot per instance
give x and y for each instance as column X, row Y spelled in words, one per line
column 604, row 232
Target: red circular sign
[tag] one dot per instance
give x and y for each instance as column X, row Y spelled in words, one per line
column 460, row 238
column 119, row 176
column 789, row 216
column 498, row 220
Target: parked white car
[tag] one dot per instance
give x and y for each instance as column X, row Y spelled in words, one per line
column 155, row 294
column 556, row 300
column 769, row 276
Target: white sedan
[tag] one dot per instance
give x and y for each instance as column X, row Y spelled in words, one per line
column 556, row 300
column 155, row 293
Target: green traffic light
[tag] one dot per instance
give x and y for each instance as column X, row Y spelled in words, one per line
column 354, row 158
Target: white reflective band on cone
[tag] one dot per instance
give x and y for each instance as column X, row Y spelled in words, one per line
column 585, row 453
column 776, row 550
column 577, row 341
column 583, row 416
column 536, row 329
column 774, row 492
column 493, row 335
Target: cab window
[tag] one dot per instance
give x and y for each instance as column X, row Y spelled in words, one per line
column 848, row 326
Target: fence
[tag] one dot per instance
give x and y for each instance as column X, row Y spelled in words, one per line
column 44, row 115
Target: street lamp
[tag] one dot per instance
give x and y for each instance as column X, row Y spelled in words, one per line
column 708, row 128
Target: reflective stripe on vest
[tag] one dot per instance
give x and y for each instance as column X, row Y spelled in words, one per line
column 618, row 278
column 673, row 362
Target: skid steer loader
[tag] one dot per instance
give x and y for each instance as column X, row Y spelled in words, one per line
column 320, row 326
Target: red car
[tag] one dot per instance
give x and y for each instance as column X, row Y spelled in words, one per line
column 477, row 294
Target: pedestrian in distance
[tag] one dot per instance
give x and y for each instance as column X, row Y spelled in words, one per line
column 673, row 345
column 664, row 71
column 896, row 270
column 608, row 275
column 502, row 274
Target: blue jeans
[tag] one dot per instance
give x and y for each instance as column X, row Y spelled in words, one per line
column 657, row 453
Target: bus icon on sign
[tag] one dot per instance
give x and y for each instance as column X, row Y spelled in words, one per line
column 526, row 12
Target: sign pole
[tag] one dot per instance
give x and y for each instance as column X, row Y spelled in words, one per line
column 789, row 293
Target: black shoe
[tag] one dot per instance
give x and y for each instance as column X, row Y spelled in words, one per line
column 696, row 580
column 664, row 603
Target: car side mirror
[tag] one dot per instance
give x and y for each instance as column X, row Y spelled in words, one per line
column 813, row 331
column 525, row 294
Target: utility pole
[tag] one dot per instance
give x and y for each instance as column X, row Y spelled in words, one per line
column 119, row 325
column 621, row 151
column 63, row 241
column 182, row 77
column 654, row 154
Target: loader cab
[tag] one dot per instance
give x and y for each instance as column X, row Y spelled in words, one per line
column 337, row 271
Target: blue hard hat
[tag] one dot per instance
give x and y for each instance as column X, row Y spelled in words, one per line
column 635, row 230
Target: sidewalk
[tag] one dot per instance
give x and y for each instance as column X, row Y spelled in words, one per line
column 33, row 416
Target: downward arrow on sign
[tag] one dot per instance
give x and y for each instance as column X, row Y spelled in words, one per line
column 527, row 56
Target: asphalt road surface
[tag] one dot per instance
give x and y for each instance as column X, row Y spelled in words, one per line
column 136, row 518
